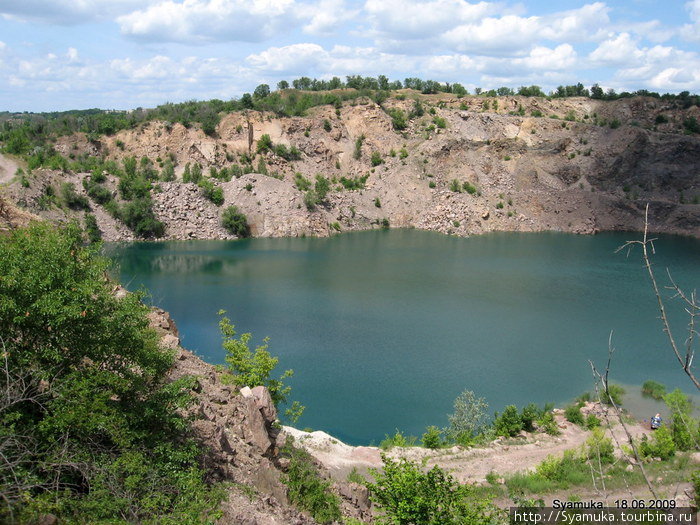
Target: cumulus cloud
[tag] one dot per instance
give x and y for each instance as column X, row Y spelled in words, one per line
column 326, row 16
column 617, row 51
column 692, row 31
column 288, row 59
column 664, row 68
column 68, row 12
column 204, row 21
column 410, row 19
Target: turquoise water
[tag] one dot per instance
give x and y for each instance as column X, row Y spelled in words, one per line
column 385, row 328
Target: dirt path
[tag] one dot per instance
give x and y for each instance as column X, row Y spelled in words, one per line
column 8, row 168
column 466, row 465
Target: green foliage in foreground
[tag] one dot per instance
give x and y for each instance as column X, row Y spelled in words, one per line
column 89, row 426
column 305, row 488
column 406, row 495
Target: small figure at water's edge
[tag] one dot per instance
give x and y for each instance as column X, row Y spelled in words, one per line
column 656, row 421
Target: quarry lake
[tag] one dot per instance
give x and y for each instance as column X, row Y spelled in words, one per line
column 385, row 328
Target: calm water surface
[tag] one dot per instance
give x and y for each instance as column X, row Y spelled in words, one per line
column 385, row 328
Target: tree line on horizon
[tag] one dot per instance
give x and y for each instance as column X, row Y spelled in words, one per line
column 22, row 133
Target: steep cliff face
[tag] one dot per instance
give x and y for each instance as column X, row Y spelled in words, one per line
column 575, row 165
column 242, row 442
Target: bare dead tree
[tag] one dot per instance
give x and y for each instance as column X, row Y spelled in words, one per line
column 602, row 379
column 684, row 357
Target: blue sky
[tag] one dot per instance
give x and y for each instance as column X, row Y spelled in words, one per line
column 76, row 54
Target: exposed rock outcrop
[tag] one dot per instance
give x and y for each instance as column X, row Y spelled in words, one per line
column 574, row 164
column 238, row 429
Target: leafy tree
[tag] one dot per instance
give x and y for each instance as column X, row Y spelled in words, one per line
column 282, row 84
column 139, row 217
column 529, row 415
column 252, row 368
column 262, row 91
column 235, row 222
column 468, row 419
column 406, row 495
column 508, row 423
column 196, row 174
column 94, row 407
column 432, row 438
column 683, row 426
column 168, row 173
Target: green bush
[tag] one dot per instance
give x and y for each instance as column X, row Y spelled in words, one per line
column 432, row 438
column 212, row 192
column 72, row 199
column 440, row 122
column 96, row 409
column 235, row 222
column 398, row 119
column 509, row 423
column 376, row 158
column 683, row 427
column 377, row 202
column 264, row 144
column 469, row 188
column 600, row 448
column 592, row 421
column 301, row 182
column 573, row 415
column 529, row 415
column 134, row 187
column 91, row 229
column 613, row 394
column 306, row 489
column 397, row 440
column 139, row 217
column 468, row 418
column 661, row 444
column 357, row 154
column 405, row 495
column 168, row 172
column 455, row 186
column 355, row 183
column 547, row 423
column 326, row 125
column 99, row 193
column 653, row 389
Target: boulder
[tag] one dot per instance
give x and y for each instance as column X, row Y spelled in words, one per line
column 255, row 428
column 264, row 402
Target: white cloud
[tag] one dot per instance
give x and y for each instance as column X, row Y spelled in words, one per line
column 412, row 19
column 543, row 58
column 617, row 51
column 691, row 31
column 204, row 21
column 481, row 29
column 68, row 12
column 326, row 16
column 288, row 59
